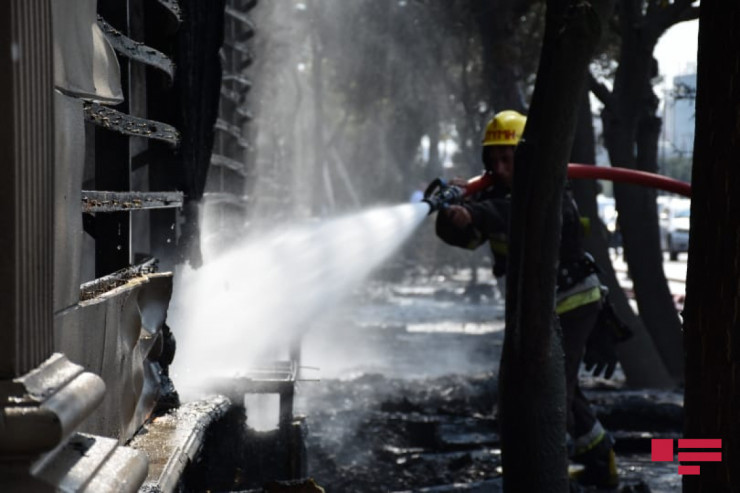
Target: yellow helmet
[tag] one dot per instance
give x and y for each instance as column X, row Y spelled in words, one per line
column 505, row 129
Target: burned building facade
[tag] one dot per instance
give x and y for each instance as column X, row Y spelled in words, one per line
column 122, row 121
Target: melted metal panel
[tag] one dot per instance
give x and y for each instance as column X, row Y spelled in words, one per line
column 97, row 201
column 117, row 337
column 130, row 125
column 85, row 65
column 136, row 50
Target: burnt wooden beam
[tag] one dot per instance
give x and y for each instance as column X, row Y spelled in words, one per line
column 97, row 201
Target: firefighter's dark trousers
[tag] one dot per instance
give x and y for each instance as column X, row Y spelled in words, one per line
column 576, row 326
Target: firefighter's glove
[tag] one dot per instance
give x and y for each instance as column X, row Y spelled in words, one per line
column 601, row 347
column 601, row 353
column 458, row 215
column 609, row 318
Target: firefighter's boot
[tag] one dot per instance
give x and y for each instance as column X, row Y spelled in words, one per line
column 600, row 465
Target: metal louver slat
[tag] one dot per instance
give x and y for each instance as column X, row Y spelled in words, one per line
column 136, row 50
column 226, row 162
column 130, row 125
column 97, row 201
column 233, row 13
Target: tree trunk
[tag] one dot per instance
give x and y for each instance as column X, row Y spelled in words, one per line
column 712, row 313
column 532, row 379
column 629, row 123
column 638, row 357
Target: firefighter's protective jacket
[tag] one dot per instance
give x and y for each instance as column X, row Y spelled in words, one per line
column 577, row 283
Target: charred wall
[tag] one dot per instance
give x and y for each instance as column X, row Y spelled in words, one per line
column 110, row 113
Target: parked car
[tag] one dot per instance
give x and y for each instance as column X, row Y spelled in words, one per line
column 674, row 216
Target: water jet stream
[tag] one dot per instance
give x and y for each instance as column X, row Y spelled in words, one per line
column 249, row 303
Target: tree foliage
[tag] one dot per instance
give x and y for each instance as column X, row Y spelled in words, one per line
column 389, row 72
column 392, row 71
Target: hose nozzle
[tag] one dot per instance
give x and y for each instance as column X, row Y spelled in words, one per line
column 440, row 195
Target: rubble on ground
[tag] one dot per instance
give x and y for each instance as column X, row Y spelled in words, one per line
column 398, row 417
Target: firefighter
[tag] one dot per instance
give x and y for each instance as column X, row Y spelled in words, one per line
column 484, row 217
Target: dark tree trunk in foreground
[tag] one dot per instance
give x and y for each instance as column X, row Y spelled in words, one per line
column 712, row 314
column 638, row 357
column 532, row 380
column 631, row 132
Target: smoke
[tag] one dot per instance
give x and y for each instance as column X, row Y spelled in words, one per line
column 250, row 303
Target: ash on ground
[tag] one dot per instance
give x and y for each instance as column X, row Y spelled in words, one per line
column 408, row 387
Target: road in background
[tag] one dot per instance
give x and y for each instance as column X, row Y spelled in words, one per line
column 675, row 272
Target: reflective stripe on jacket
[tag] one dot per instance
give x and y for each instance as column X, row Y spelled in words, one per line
column 585, row 292
column 499, row 244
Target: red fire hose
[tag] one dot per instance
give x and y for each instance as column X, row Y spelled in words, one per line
column 589, row 171
column 629, row 176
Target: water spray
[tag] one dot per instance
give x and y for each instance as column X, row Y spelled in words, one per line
column 266, row 292
column 245, row 306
